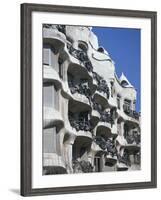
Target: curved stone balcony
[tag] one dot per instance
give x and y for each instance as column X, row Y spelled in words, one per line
column 101, row 94
column 80, row 58
column 79, row 103
column 80, row 98
column 54, row 37
column 131, row 113
column 104, row 128
column 80, row 128
column 110, row 160
column 105, row 124
column 52, row 118
column 75, row 68
column 127, row 118
column 101, row 98
column 50, row 75
column 95, row 116
column 95, row 113
column 133, row 143
column 121, row 167
column 132, row 147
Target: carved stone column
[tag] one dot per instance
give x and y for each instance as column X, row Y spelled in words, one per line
column 68, row 144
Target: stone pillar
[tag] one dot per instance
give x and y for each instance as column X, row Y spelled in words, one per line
column 68, row 144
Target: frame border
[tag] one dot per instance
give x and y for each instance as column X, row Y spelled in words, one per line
column 26, row 99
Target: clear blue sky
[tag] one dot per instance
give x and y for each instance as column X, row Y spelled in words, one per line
column 123, row 45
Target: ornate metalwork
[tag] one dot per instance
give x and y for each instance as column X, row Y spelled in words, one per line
column 82, row 166
column 125, row 159
column 134, row 138
column 101, row 84
column 81, row 56
column 82, row 125
column 106, row 117
column 80, row 88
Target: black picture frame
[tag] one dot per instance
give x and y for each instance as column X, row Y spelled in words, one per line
column 26, row 98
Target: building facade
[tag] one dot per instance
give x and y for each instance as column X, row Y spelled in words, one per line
column 89, row 118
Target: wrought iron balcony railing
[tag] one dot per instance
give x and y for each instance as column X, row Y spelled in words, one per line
column 81, row 56
column 106, row 117
column 97, row 106
column 107, row 145
column 135, row 138
column 131, row 113
column 80, row 125
column 82, row 166
column 125, row 159
column 80, row 88
column 101, row 84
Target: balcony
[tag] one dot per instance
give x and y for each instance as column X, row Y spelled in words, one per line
column 101, row 142
column 133, row 143
column 80, row 97
column 123, row 162
column 81, row 56
column 102, row 91
column 80, row 125
column 96, row 110
column 130, row 113
column 52, row 35
column 82, row 166
column 105, row 124
column 82, row 89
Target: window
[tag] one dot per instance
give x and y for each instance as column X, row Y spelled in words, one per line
column 124, row 83
column 100, row 49
column 82, row 46
column 49, row 140
column 46, row 55
column 50, row 97
column 118, row 101
column 134, row 105
column 97, row 164
column 112, row 88
column 60, row 62
column 127, row 105
column 49, row 58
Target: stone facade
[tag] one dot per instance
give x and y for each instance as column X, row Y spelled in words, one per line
column 89, row 118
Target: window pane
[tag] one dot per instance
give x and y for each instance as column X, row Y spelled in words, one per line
column 49, row 96
column 46, row 55
column 49, row 140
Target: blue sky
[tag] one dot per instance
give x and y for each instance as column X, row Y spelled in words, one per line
column 123, row 45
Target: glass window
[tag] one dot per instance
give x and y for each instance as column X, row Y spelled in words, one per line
column 49, row 140
column 50, row 97
column 118, row 102
column 46, row 55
